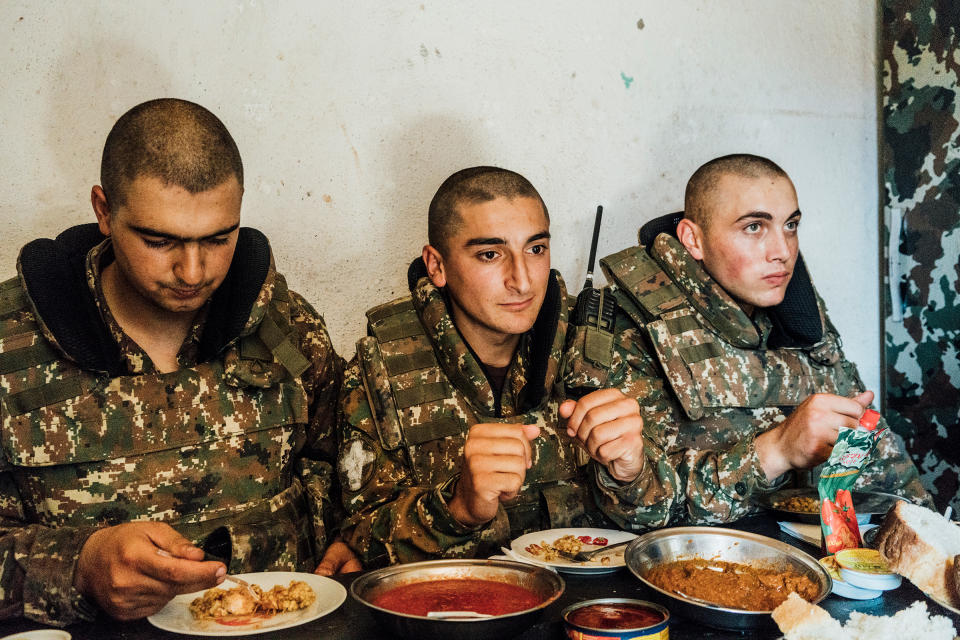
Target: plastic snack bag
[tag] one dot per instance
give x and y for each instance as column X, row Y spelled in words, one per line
column 838, row 520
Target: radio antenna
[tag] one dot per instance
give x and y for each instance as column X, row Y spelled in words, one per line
column 593, row 248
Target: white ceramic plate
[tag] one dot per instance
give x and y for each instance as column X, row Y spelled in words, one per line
column 176, row 615
column 519, row 549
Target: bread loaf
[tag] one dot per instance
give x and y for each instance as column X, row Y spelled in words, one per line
column 922, row 546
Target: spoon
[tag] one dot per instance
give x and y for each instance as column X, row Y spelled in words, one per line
column 457, row 615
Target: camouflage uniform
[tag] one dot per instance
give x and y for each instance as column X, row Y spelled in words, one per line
column 216, row 448
column 708, row 382
column 920, row 161
column 408, row 401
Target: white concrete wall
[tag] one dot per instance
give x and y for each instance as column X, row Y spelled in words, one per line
column 350, row 114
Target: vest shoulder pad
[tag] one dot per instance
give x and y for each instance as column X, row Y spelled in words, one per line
column 643, row 281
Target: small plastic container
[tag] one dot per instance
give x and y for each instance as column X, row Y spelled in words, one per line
column 866, row 569
column 841, row 587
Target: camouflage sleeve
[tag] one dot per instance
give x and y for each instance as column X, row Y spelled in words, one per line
column 322, row 382
column 37, row 565
column 651, row 498
column 390, row 518
column 678, row 483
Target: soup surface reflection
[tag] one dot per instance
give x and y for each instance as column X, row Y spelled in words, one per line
column 461, row 594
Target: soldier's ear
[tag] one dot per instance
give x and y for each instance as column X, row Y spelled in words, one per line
column 101, row 209
column 691, row 236
column 434, row 263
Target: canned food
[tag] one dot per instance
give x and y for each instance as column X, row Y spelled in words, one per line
column 616, row 619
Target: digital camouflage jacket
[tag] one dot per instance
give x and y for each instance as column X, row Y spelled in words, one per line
column 409, row 399
column 709, row 379
column 232, row 449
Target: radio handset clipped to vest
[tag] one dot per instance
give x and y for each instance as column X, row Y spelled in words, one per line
column 594, row 309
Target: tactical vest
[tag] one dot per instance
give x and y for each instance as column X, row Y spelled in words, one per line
column 713, row 361
column 416, row 407
column 204, row 448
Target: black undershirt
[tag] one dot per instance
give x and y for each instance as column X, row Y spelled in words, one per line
column 496, row 376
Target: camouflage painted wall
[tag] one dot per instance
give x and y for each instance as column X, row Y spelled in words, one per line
column 920, row 161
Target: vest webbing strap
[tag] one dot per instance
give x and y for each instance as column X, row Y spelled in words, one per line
column 699, row 352
column 420, row 394
column 20, row 359
column 681, row 324
column 405, row 362
column 425, row 432
column 377, row 314
column 391, row 332
column 654, row 300
column 48, row 394
column 12, row 296
column 281, row 346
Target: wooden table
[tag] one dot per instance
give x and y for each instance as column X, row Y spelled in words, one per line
column 352, row 621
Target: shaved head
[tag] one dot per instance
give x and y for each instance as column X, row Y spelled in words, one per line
column 473, row 186
column 178, row 142
column 704, row 181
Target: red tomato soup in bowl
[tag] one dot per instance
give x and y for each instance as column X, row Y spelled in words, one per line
column 461, row 594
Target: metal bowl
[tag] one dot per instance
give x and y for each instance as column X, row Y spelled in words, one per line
column 545, row 583
column 712, row 543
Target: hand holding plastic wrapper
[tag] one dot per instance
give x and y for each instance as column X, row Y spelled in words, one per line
column 850, row 454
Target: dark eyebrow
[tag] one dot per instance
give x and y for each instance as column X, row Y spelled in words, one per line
column 147, row 231
column 472, row 242
column 763, row 215
column 543, row 235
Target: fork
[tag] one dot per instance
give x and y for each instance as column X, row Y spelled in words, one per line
column 583, row 556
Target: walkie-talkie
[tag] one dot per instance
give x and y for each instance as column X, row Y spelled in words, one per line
column 594, row 308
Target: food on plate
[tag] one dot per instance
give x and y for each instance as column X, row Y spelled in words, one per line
column 731, row 584
column 922, row 546
column 801, row 620
column 567, row 545
column 458, row 594
column 219, row 604
column 801, row 504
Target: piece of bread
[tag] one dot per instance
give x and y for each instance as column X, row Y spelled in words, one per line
column 922, row 545
column 912, row 622
column 801, row 620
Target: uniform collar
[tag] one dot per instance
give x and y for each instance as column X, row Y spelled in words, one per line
column 61, row 278
column 535, row 364
column 134, row 357
column 705, row 294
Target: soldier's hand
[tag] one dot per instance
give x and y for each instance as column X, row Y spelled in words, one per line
column 609, row 426
column 495, row 462
column 132, row 570
column 338, row 558
column 806, row 437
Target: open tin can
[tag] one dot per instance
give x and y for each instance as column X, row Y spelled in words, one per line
column 616, row 619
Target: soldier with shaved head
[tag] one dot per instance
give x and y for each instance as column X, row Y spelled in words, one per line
column 166, row 402
column 455, row 431
column 724, row 342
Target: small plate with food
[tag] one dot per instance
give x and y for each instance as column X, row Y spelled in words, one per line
column 275, row 600
column 555, row 547
column 803, row 505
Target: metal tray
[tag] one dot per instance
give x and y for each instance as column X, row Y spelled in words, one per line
column 714, row 543
column 864, row 503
